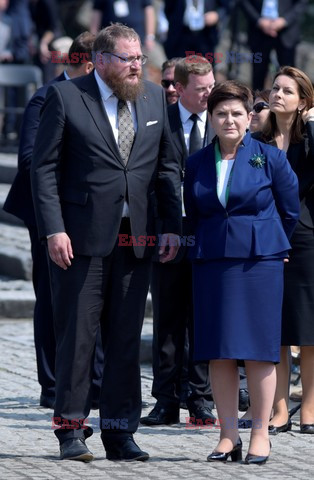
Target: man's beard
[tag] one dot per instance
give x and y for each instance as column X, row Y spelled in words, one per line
column 122, row 89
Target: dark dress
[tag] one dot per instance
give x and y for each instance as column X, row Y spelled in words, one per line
column 298, row 305
column 238, row 252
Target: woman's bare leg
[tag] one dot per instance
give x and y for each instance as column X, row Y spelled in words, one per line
column 224, row 378
column 261, row 378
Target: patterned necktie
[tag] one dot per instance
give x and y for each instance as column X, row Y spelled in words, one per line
column 196, row 142
column 126, row 131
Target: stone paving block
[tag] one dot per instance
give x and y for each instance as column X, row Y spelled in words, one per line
column 4, row 216
column 29, row 448
column 8, row 167
column 15, row 255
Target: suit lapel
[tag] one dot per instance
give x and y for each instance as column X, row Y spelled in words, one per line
column 177, row 131
column 209, row 133
column 93, row 102
column 141, row 106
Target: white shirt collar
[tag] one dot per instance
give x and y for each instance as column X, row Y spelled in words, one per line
column 185, row 114
column 105, row 91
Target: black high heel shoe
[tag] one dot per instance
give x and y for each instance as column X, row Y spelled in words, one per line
column 273, row 430
column 251, row 459
column 235, row 454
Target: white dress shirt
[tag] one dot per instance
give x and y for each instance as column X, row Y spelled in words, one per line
column 110, row 103
column 187, row 123
column 223, row 180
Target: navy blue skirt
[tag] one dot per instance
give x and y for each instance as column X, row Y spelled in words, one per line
column 237, row 309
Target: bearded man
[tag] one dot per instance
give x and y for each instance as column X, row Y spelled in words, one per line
column 103, row 170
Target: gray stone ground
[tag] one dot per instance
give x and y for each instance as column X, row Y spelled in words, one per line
column 29, row 449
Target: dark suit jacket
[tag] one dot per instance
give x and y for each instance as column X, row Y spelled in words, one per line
column 174, row 10
column 301, row 158
column 262, row 208
column 176, row 128
column 79, row 180
column 19, row 201
column 290, row 10
column 181, row 153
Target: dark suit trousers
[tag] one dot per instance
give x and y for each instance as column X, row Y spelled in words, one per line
column 44, row 335
column 111, row 291
column 171, row 287
column 265, row 44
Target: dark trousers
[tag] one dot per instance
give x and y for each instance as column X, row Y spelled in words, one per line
column 265, row 44
column 44, row 335
column 171, row 287
column 110, row 291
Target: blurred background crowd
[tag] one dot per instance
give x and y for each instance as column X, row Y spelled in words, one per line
column 227, row 34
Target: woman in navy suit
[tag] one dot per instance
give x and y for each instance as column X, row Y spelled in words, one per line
column 241, row 197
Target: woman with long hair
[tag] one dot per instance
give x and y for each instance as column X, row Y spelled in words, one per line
column 290, row 127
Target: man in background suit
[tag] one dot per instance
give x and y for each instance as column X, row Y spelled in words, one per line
column 193, row 26
column 171, row 283
column 167, row 80
column 272, row 25
column 20, row 203
column 103, row 169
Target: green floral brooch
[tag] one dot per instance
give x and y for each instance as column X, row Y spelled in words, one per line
column 258, row 160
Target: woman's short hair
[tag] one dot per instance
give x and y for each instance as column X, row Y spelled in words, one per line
column 230, row 90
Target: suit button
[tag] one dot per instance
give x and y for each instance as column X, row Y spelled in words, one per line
column 226, row 215
column 121, row 197
column 126, row 170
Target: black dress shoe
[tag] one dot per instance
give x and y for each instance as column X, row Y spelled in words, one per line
column 307, row 428
column 47, row 402
column 244, row 400
column 124, row 449
column 161, row 416
column 75, row 449
column 273, row 430
column 235, row 454
column 251, row 459
column 245, row 423
column 202, row 415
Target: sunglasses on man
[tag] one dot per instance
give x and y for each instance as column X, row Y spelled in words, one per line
column 260, row 106
column 167, row 83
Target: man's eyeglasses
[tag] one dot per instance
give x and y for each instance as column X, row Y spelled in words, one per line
column 142, row 59
column 260, row 106
column 167, row 83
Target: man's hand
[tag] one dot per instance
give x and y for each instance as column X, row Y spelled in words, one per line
column 279, row 23
column 266, row 25
column 170, row 244
column 60, row 250
column 211, row 18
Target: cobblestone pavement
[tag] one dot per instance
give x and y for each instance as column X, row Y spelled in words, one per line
column 29, row 449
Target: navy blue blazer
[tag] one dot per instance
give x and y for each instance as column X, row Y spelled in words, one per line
column 19, row 201
column 262, row 209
